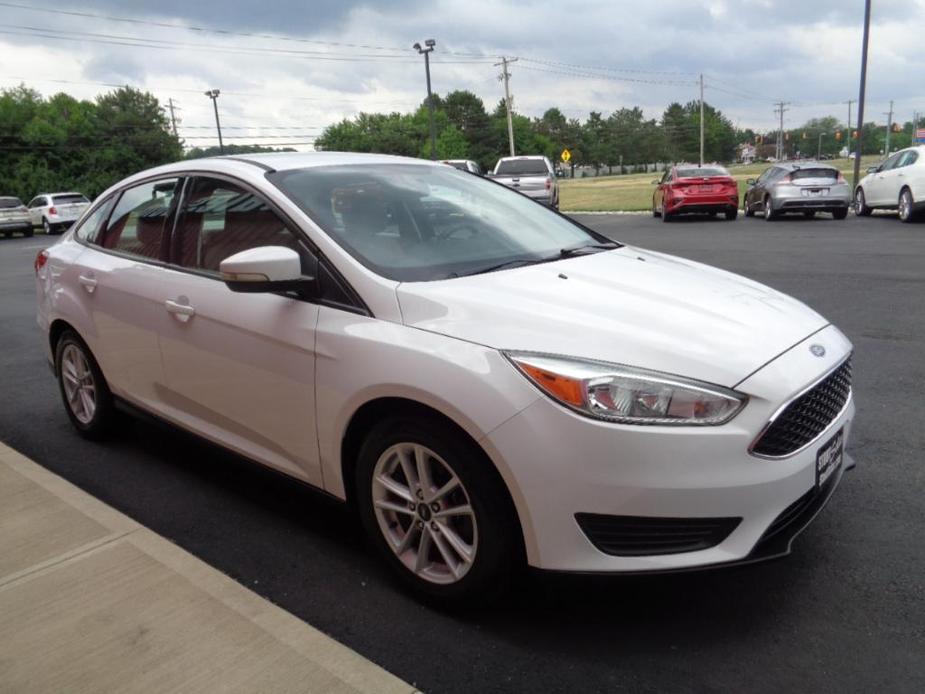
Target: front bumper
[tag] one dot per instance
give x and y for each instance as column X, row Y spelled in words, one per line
column 567, row 464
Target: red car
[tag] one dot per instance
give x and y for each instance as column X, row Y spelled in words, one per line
column 689, row 188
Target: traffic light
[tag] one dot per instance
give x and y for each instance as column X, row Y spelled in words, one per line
column 897, row 128
column 838, row 134
column 854, row 134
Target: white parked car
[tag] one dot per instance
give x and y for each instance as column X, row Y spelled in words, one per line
column 896, row 184
column 14, row 217
column 55, row 212
column 487, row 382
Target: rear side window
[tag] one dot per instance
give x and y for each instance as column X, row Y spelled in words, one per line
column 220, row 219
column 814, row 173
column 89, row 229
column 68, row 199
column 138, row 221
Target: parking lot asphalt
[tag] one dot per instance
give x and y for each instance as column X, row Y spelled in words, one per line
column 845, row 612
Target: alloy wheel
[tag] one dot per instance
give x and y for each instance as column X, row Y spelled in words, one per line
column 905, row 206
column 80, row 388
column 424, row 513
column 46, row 226
column 768, row 209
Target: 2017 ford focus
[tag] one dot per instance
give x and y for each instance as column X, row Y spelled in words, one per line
column 486, row 381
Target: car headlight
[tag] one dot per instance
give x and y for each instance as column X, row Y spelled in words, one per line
column 628, row 395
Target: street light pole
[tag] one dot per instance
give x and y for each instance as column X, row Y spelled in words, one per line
column 857, row 150
column 819, row 147
column 428, row 47
column 213, row 94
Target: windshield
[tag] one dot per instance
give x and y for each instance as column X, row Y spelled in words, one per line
column 7, row 203
column 413, row 222
column 520, row 167
column 701, row 171
column 68, row 199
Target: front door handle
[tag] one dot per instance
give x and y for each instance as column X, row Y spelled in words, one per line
column 88, row 282
column 181, row 309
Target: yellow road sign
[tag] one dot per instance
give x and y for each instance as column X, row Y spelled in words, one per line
column 566, row 155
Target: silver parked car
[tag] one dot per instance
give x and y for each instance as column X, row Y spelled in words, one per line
column 14, row 217
column 533, row 176
column 801, row 187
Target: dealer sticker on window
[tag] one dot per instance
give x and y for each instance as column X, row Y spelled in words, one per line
column 829, row 458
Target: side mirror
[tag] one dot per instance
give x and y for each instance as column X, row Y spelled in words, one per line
column 873, row 169
column 750, row 181
column 266, row 269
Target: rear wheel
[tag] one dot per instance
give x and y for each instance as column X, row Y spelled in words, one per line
column 905, row 206
column 732, row 214
column 436, row 511
column 769, row 213
column 860, row 204
column 839, row 214
column 749, row 212
column 655, row 210
column 809, row 214
column 86, row 395
column 47, row 227
column 28, row 232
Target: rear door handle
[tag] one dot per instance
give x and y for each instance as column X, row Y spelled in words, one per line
column 88, row 282
column 183, row 311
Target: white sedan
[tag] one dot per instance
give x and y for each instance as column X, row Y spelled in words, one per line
column 896, row 184
column 486, row 382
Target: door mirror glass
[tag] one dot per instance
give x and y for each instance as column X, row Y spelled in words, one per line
column 873, row 169
column 750, row 181
column 266, row 269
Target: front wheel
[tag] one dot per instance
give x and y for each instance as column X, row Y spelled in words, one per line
column 860, row 204
column 436, row 510
column 86, row 395
column 905, row 206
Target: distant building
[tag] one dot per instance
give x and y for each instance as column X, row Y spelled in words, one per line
column 746, row 153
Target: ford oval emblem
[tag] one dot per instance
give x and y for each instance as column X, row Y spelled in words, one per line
column 817, row 350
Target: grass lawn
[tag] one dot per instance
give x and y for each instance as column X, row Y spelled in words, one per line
column 634, row 191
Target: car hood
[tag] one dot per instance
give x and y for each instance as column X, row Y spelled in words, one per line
column 627, row 306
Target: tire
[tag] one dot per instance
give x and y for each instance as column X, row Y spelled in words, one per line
column 860, row 204
column 769, row 214
column 840, row 214
column 72, row 356
column 47, row 227
column 655, row 211
column 8, row 234
column 809, row 214
column 665, row 216
column 731, row 215
column 904, row 207
column 28, row 232
column 489, row 531
column 749, row 212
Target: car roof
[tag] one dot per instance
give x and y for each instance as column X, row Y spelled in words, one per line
column 524, row 156
column 8, row 197
column 286, row 161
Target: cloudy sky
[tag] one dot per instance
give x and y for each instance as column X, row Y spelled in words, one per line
column 287, row 68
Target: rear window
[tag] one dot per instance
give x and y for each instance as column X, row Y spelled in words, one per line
column 461, row 165
column 814, row 173
column 68, row 199
column 701, row 171
column 515, row 167
column 8, row 203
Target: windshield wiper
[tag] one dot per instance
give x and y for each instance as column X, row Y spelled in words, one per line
column 588, row 248
column 564, row 253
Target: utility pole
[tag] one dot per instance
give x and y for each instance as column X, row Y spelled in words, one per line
column 865, row 41
column 213, row 94
column 819, row 147
column 508, row 102
column 701, row 119
column 173, row 118
column 889, row 127
column 781, row 110
column 429, row 46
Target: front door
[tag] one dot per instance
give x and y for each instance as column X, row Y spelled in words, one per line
column 240, row 367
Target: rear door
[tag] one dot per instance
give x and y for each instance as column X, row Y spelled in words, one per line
column 240, row 367
column 119, row 279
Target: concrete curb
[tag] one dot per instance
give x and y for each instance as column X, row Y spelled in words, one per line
column 94, row 602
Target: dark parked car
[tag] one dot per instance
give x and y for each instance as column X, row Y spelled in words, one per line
column 805, row 187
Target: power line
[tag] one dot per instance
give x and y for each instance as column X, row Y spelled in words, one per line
column 554, row 63
column 612, row 78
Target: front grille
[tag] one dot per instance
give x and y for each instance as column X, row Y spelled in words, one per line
column 807, row 416
column 633, row 536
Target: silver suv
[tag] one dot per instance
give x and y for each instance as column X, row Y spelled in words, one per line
column 533, row 176
column 14, row 217
column 55, row 212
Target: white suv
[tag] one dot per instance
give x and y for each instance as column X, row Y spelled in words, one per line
column 896, row 184
column 55, row 212
column 485, row 381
